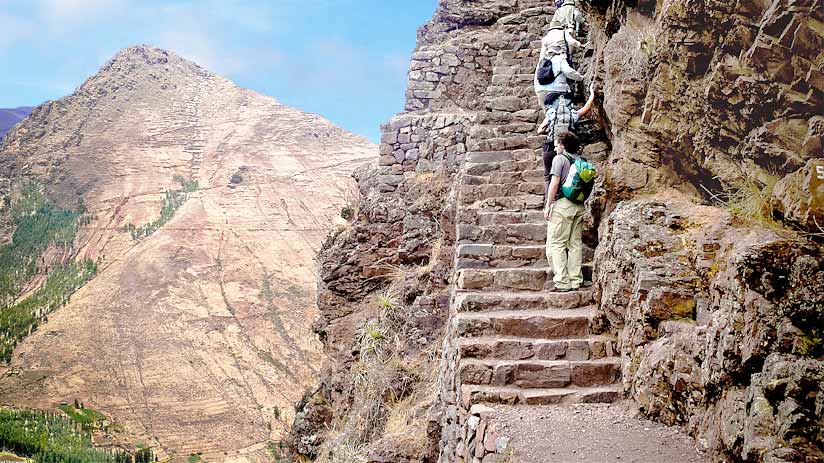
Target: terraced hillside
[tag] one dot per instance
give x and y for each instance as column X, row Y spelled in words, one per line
column 202, row 206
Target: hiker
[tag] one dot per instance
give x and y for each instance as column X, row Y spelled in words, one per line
column 568, row 15
column 571, row 184
column 560, row 116
column 554, row 69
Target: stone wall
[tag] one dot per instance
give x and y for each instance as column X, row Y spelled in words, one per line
column 426, row 142
column 479, row 441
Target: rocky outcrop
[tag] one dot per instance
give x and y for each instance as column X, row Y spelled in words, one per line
column 799, row 197
column 702, row 94
column 717, row 313
column 720, row 326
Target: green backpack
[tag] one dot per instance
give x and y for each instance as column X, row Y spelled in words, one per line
column 580, row 180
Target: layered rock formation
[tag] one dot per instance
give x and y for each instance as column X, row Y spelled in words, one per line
column 705, row 225
column 196, row 332
column 719, row 315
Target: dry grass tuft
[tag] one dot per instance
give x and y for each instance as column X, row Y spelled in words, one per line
column 630, row 51
column 393, row 384
column 429, row 189
column 351, row 199
column 750, row 199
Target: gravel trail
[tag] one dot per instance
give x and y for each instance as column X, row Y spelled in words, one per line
column 592, row 433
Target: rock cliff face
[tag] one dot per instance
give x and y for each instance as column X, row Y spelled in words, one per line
column 203, row 206
column 705, row 224
column 719, row 315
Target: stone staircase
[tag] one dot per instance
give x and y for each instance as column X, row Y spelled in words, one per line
column 517, row 341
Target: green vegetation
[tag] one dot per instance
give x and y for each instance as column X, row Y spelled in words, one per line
column 19, row 320
column 194, row 458
column 51, row 438
column 84, row 416
column 298, row 292
column 172, row 201
column 386, row 300
column 39, row 224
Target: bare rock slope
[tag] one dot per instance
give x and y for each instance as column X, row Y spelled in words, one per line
column 197, row 325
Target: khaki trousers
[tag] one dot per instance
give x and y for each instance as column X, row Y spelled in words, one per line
column 564, row 246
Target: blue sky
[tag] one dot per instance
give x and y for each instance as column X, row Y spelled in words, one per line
column 343, row 59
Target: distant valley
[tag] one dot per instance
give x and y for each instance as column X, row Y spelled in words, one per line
column 9, row 117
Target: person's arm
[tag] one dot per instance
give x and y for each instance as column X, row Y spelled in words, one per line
column 571, row 41
column 587, row 107
column 542, row 128
column 578, row 20
column 550, row 195
column 570, row 72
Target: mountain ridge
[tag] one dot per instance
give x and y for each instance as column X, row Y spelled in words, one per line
column 203, row 205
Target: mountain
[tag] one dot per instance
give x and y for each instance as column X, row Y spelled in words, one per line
column 9, row 117
column 198, row 207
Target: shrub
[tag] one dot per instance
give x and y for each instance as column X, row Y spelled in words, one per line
column 750, row 199
column 630, row 51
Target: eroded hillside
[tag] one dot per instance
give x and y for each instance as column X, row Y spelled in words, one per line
column 201, row 206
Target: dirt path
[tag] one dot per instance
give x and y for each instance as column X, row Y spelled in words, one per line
column 592, row 433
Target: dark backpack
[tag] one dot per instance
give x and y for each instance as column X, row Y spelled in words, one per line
column 545, row 74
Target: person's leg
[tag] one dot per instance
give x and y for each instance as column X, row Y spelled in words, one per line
column 548, row 155
column 557, row 238
column 576, row 248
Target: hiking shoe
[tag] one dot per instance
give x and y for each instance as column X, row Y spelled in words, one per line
column 563, row 290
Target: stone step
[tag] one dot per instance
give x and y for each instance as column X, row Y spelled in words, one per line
column 474, row 394
column 482, row 255
column 473, row 193
column 491, row 168
column 499, row 155
column 513, row 141
column 532, row 278
column 524, row 233
column 536, row 324
column 486, row 301
column 517, row 348
column 515, row 203
column 533, row 175
column 539, row 374
column 486, row 218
